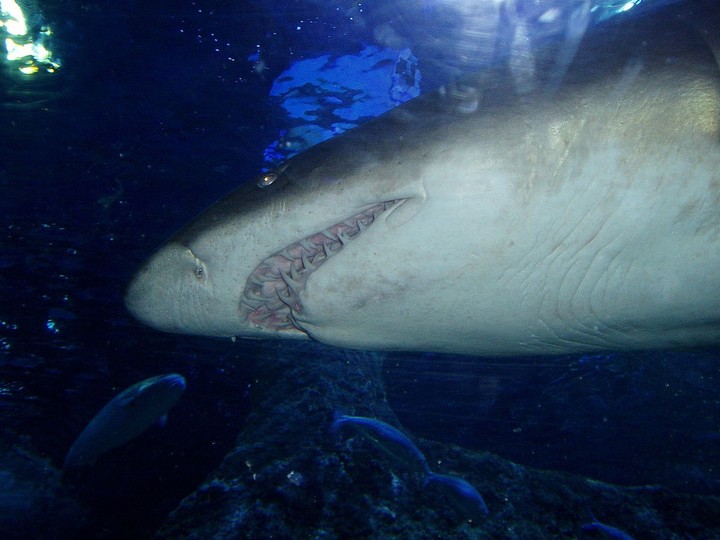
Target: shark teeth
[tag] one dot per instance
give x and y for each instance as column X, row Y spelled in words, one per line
column 272, row 292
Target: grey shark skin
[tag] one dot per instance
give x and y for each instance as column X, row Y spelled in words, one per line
column 586, row 221
column 125, row 417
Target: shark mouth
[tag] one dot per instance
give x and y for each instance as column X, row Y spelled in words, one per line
column 272, row 292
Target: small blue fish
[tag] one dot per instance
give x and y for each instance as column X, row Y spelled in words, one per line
column 460, row 493
column 393, row 442
column 125, row 417
column 605, row 530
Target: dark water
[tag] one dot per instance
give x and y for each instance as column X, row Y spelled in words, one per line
column 157, row 110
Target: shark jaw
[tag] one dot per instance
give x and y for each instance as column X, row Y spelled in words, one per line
column 272, row 292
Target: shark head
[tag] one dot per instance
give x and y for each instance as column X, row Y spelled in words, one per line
column 241, row 268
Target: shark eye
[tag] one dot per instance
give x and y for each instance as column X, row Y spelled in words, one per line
column 198, row 267
column 267, row 179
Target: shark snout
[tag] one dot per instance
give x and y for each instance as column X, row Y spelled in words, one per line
column 153, row 294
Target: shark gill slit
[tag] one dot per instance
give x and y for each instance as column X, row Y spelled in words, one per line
column 272, row 292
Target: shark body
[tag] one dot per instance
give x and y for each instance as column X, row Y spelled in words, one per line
column 586, row 220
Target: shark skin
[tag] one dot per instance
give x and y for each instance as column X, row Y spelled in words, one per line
column 584, row 220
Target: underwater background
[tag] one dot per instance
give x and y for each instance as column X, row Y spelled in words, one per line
column 137, row 116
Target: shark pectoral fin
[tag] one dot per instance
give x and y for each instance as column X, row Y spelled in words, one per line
column 407, row 210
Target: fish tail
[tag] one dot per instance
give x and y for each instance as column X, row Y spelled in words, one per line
column 429, row 478
column 338, row 420
column 590, row 512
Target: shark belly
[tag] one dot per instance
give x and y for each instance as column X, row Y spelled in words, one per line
column 612, row 245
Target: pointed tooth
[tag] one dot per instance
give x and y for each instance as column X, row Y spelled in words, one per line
column 277, row 304
column 344, row 238
column 294, row 285
column 258, row 317
column 333, row 248
column 285, row 300
column 307, row 265
column 327, row 250
column 259, row 281
column 294, row 274
column 286, row 278
column 308, row 245
column 292, row 300
column 361, row 226
column 327, row 234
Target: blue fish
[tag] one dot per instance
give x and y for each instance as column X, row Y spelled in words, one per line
column 393, row 442
column 404, row 454
column 460, row 493
column 606, row 531
column 125, row 417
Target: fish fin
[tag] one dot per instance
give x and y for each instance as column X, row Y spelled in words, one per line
column 590, row 512
column 128, row 400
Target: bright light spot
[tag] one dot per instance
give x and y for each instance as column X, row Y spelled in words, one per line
column 12, row 18
column 18, row 52
column 26, row 47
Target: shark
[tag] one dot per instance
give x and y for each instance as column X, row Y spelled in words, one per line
column 480, row 220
